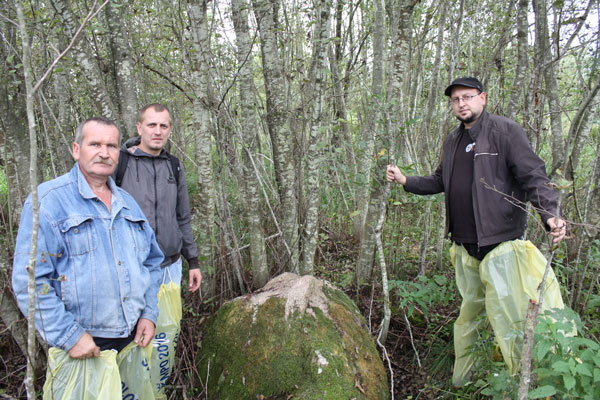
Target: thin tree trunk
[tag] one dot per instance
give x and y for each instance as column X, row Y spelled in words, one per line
column 315, row 155
column 455, row 46
column 13, row 135
column 117, row 14
column 433, row 99
column 279, row 129
column 579, row 131
column 425, row 239
column 31, row 286
column 85, row 60
column 551, row 84
column 369, row 201
column 201, row 126
column 249, row 134
column 517, row 89
column 339, row 96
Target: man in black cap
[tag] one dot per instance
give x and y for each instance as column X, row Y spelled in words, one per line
column 488, row 172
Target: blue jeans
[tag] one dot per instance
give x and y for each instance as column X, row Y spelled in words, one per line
column 173, row 273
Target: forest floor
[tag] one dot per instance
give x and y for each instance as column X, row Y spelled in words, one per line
column 420, row 353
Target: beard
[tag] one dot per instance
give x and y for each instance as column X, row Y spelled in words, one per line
column 467, row 120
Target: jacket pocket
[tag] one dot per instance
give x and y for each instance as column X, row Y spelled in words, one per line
column 79, row 234
column 137, row 230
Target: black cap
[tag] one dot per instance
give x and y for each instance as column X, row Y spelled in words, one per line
column 467, row 81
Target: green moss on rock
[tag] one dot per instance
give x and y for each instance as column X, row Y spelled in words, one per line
column 252, row 349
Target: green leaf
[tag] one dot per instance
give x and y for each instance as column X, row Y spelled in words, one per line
column 596, row 375
column 569, row 382
column 440, row 279
column 582, row 369
column 561, row 366
column 542, row 349
column 543, row 391
column 354, row 213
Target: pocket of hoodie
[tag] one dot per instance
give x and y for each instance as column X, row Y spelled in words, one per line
column 79, row 233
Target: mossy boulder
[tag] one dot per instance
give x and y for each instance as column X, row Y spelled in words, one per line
column 299, row 338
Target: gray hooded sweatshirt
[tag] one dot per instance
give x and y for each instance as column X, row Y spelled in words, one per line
column 163, row 198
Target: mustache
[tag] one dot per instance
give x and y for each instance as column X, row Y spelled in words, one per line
column 103, row 161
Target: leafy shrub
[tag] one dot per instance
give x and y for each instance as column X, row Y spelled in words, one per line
column 421, row 294
column 564, row 366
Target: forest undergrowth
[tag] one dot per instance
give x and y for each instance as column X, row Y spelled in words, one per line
column 419, row 343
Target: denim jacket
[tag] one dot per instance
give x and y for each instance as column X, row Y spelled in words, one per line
column 96, row 271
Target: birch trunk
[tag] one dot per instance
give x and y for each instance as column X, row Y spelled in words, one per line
column 516, row 91
column 551, row 83
column 433, row 99
column 339, row 95
column 455, row 43
column 201, row 127
column 314, row 155
column 580, row 130
column 279, row 129
column 400, row 69
column 248, row 139
column 85, row 60
column 117, row 12
column 31, row 286
column 369, row 202
column 13, row 135
column 371, row 104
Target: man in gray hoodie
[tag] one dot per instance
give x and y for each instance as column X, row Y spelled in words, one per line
column 157, row 182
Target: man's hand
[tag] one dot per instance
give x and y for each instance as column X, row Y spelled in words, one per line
column 144, row 332
column 85, row 348
column 195, row 277
column 395, row 175
column 558, row 228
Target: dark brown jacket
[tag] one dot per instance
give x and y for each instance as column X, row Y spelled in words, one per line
column 506, row 174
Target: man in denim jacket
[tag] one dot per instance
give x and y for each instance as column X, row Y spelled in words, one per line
column 97, row 265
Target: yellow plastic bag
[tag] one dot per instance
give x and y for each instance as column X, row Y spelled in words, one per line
column 165, row 336
column 93, row 378
column 111, row 376
column 134, row 368
column 500, row 286
column 512, row 277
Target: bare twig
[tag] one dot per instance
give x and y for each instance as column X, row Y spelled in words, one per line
column 412, row 342
column 387, row 358
column 90, row 15
column 523, row 206
column 530, row 324
column 207, row 376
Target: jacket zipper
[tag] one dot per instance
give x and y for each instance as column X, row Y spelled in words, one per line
column 155, row 199
column 484, row 154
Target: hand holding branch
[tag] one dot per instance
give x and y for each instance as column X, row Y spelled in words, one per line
column 558, row 228
column 395, row 175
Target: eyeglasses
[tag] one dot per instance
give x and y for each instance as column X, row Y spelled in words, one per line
column 466, row 98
